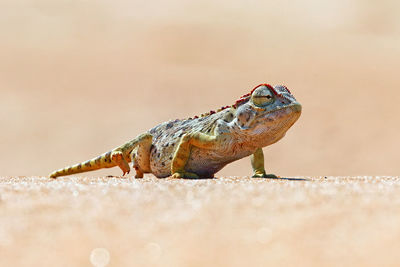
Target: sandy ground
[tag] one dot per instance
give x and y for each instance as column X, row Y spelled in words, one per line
column 81, row 221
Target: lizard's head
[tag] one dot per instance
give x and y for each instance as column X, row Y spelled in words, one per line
column 267, row 108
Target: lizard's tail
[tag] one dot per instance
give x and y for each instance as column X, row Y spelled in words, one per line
column 102, row 161
column 119, row 156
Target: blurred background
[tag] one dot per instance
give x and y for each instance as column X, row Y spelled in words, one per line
column 78, row 78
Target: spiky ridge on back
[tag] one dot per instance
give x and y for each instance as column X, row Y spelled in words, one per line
column 241, row 100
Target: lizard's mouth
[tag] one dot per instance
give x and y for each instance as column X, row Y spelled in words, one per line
column 292, row 108
column 289, row 112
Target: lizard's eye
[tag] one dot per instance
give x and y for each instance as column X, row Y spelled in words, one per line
column 262, row 97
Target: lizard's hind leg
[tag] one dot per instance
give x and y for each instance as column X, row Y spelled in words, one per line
column 140, row 157
column 122, row 155
column 139, row 173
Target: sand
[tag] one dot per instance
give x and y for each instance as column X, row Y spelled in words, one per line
column 227, row 221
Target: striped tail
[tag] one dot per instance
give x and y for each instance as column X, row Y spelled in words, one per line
column 102, row 161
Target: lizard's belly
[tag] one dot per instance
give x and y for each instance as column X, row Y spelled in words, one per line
column 204, row 162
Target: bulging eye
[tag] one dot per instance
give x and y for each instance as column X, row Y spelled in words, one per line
column 262, row 98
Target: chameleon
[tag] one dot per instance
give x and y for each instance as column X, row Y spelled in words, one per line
column 199, row 147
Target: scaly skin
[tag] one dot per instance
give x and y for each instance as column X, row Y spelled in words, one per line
column 201, row 146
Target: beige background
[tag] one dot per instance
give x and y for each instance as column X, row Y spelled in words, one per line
column 78, row 78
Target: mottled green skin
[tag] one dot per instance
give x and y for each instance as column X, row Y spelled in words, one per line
column 200, row 147
column 242, row 131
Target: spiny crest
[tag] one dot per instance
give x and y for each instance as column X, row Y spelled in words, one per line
column 241, row 100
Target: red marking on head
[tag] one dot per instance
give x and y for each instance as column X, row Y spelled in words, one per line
column 242, row 99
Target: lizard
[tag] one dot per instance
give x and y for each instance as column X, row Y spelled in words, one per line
column 199, row 147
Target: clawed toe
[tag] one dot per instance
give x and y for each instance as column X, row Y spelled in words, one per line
column 264, row 175
column 188, row 175
column 139, row 173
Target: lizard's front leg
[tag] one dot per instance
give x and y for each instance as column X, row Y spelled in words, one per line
column 182, row 153
column 257, row 162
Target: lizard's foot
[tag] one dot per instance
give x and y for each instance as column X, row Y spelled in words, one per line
column 139, row 173
column 118, row 158
column 183, row 174
column 264, row 175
